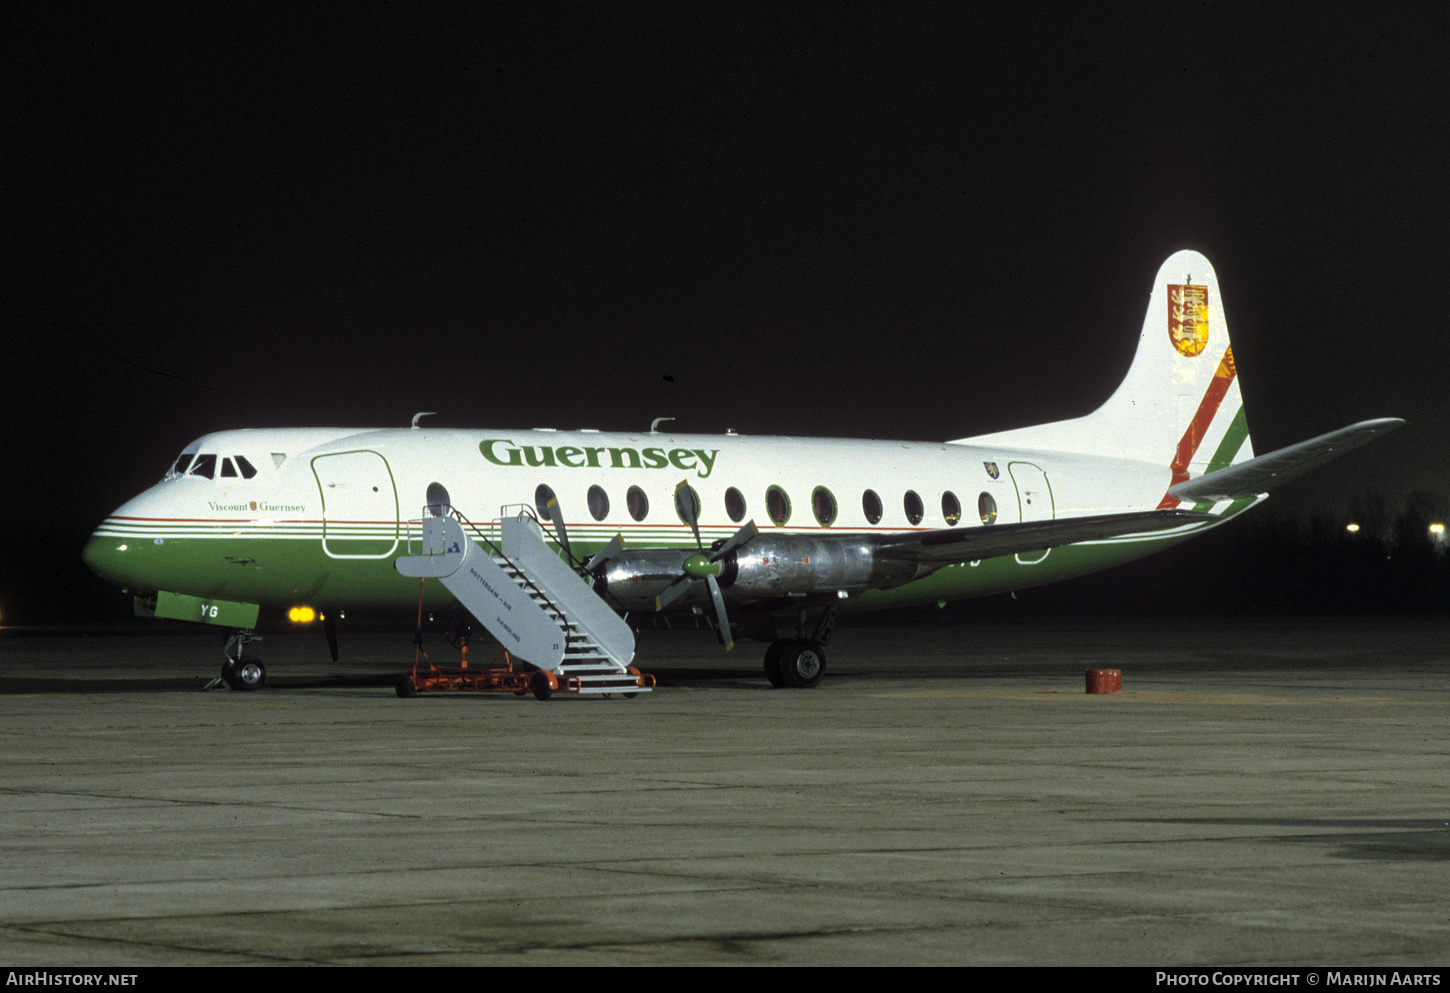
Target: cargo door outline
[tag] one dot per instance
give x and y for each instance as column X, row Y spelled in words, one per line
column 1034, row 502
column 359, row 504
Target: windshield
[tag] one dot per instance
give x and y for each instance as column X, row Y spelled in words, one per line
column 211, row 466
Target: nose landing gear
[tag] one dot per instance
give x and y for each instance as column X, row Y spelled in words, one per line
column 244, row 673
column 241, row 671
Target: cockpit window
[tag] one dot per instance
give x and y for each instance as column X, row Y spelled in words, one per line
column 192, row 464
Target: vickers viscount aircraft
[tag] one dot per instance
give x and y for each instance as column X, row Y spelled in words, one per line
column 548, row 536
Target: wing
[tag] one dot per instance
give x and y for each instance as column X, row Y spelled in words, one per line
column 970, row 544
column 1261, row 474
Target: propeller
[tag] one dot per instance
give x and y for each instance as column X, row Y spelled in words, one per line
column 556, row 515
column 594, row 564
column 702, row 565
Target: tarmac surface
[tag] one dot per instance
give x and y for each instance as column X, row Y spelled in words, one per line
column 1258, row 794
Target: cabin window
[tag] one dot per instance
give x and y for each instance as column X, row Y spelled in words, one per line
column 777, row 505
column 823, row 505
column 205, row 465
column 735, row 504
column 598, row 502
column 637, row 502
column 438, row 502
column 915, row 509
column 951, row 508
column 871, row 506
column 987, row 507
column 543, row 496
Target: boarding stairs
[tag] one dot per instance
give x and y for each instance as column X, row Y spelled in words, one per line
column 540, row 610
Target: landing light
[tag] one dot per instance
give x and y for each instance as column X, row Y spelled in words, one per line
column 302, row 615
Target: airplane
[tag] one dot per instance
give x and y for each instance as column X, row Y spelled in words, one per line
column 598, row 526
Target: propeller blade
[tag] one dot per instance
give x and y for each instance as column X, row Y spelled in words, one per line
column 673, row 592
column 601, row 558
column 556, row 515
column 687, row 505
column 718, row 599
column 736, row 540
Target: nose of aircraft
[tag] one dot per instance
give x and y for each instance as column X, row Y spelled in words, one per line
column 120, row 550
column 106, row 555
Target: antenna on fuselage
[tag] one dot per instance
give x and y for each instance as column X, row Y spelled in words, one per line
column 426, row 413
column 654, row 425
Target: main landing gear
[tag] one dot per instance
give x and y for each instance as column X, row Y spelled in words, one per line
column 800, row 662
column 795, row 662
column 241, row 671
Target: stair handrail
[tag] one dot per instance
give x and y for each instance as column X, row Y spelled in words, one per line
column 520, row 576
column 493, row 548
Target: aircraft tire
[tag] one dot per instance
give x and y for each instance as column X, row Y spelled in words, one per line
column 802, row 664
column 772, row 663
column 245, row 674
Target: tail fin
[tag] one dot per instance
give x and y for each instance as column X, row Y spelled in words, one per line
column 1180, row 402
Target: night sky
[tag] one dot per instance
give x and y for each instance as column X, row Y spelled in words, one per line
column 885, row 221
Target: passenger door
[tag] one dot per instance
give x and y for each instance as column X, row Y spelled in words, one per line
column 359, row 505
column 1034, row 502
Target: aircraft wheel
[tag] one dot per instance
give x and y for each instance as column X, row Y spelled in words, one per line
column 772, row 663
column 246, row 673
column 802, row 664
column 541, row 686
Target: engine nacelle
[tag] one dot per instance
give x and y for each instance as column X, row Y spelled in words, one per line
column 766, row 567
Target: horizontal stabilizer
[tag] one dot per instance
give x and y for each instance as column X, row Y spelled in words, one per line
column 1266, row 472
column 971, row 544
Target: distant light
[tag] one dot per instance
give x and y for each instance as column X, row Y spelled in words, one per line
column 1437, row 529
column 301, row 615
column 1352, row 527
